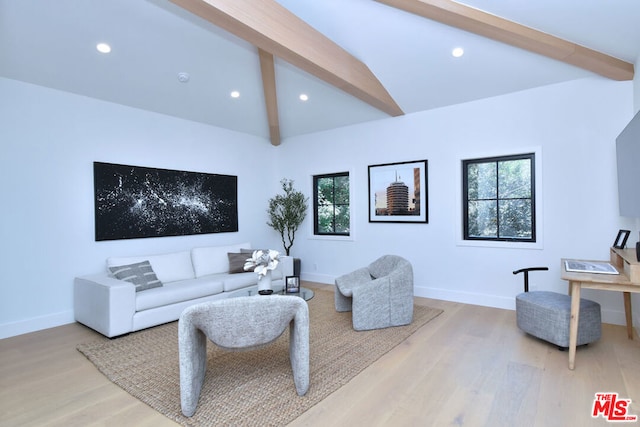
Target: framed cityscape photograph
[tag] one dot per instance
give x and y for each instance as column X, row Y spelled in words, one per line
column 292, row 284
column 398, row 192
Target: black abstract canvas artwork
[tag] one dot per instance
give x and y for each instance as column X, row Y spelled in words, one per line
column 134, row 202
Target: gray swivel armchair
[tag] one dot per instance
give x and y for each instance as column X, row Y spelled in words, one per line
column 240, row 323
column 379, row 296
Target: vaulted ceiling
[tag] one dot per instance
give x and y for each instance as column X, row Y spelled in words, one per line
column 355, row 60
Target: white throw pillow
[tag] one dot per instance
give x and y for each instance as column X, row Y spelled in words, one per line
column 213, row 259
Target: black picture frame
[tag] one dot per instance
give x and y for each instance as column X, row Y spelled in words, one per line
column 389, row 180
column 292, row 285
column 137, row 202
column 621, row 239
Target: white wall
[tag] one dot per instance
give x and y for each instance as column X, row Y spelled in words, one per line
column 636, row 86
column 574, row 124
column 49, row 141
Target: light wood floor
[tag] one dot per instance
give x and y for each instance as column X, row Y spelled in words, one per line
column 471, row 366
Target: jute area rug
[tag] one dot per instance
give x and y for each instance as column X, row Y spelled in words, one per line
column 249, row 387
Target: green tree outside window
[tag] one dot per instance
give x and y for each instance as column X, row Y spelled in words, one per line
column 499, row 202
column 331, row 204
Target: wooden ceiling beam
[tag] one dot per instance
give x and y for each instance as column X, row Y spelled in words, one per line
column 487, row 25
column 273, row 29
column 268, row 70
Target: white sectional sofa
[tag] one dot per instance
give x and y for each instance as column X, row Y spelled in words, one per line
column 114, row 307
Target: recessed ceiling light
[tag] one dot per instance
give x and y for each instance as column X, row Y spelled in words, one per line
column 457, row 52
column 103, row 48
column 304, row 97
column 183, row 77
column 235, row 94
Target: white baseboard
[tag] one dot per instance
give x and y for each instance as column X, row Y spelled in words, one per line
column 613, row 317
column 20, row 327
column 466, row 297
column 318, row 278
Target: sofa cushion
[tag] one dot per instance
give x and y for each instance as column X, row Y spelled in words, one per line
column 237, row 281
column 140, row 274
column 213, row 259
column 176, row 292
column 236, row 262
column 169, row 267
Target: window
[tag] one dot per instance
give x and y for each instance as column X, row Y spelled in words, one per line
column 499, row 198
column 331, row 215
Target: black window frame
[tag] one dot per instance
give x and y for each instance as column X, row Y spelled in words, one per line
column 465, row 198
column 316, row 231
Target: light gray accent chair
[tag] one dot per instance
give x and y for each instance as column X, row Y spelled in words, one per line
column 546, row 315
column 379, row 295
column 242, row 323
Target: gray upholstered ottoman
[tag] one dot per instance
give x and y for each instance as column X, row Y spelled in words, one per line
column 546, row 315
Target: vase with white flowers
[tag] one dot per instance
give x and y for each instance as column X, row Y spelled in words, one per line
column 263, row 263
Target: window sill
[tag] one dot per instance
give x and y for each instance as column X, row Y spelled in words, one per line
column 500, row 244
column 332, row 238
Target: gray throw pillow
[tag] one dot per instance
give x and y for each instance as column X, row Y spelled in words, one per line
column 250, row 251
column 140, row 274
column 236, row 262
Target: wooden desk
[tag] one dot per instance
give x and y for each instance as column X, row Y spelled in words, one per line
column 624, row 260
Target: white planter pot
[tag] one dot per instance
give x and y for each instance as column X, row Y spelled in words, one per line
column 264, row 282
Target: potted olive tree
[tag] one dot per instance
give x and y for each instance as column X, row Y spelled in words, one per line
column 286, row 213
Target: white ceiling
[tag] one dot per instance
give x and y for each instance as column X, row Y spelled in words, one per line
column 52, row 43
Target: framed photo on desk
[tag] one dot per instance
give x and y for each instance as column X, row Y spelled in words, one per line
column 621, row 239
column 292, row 284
